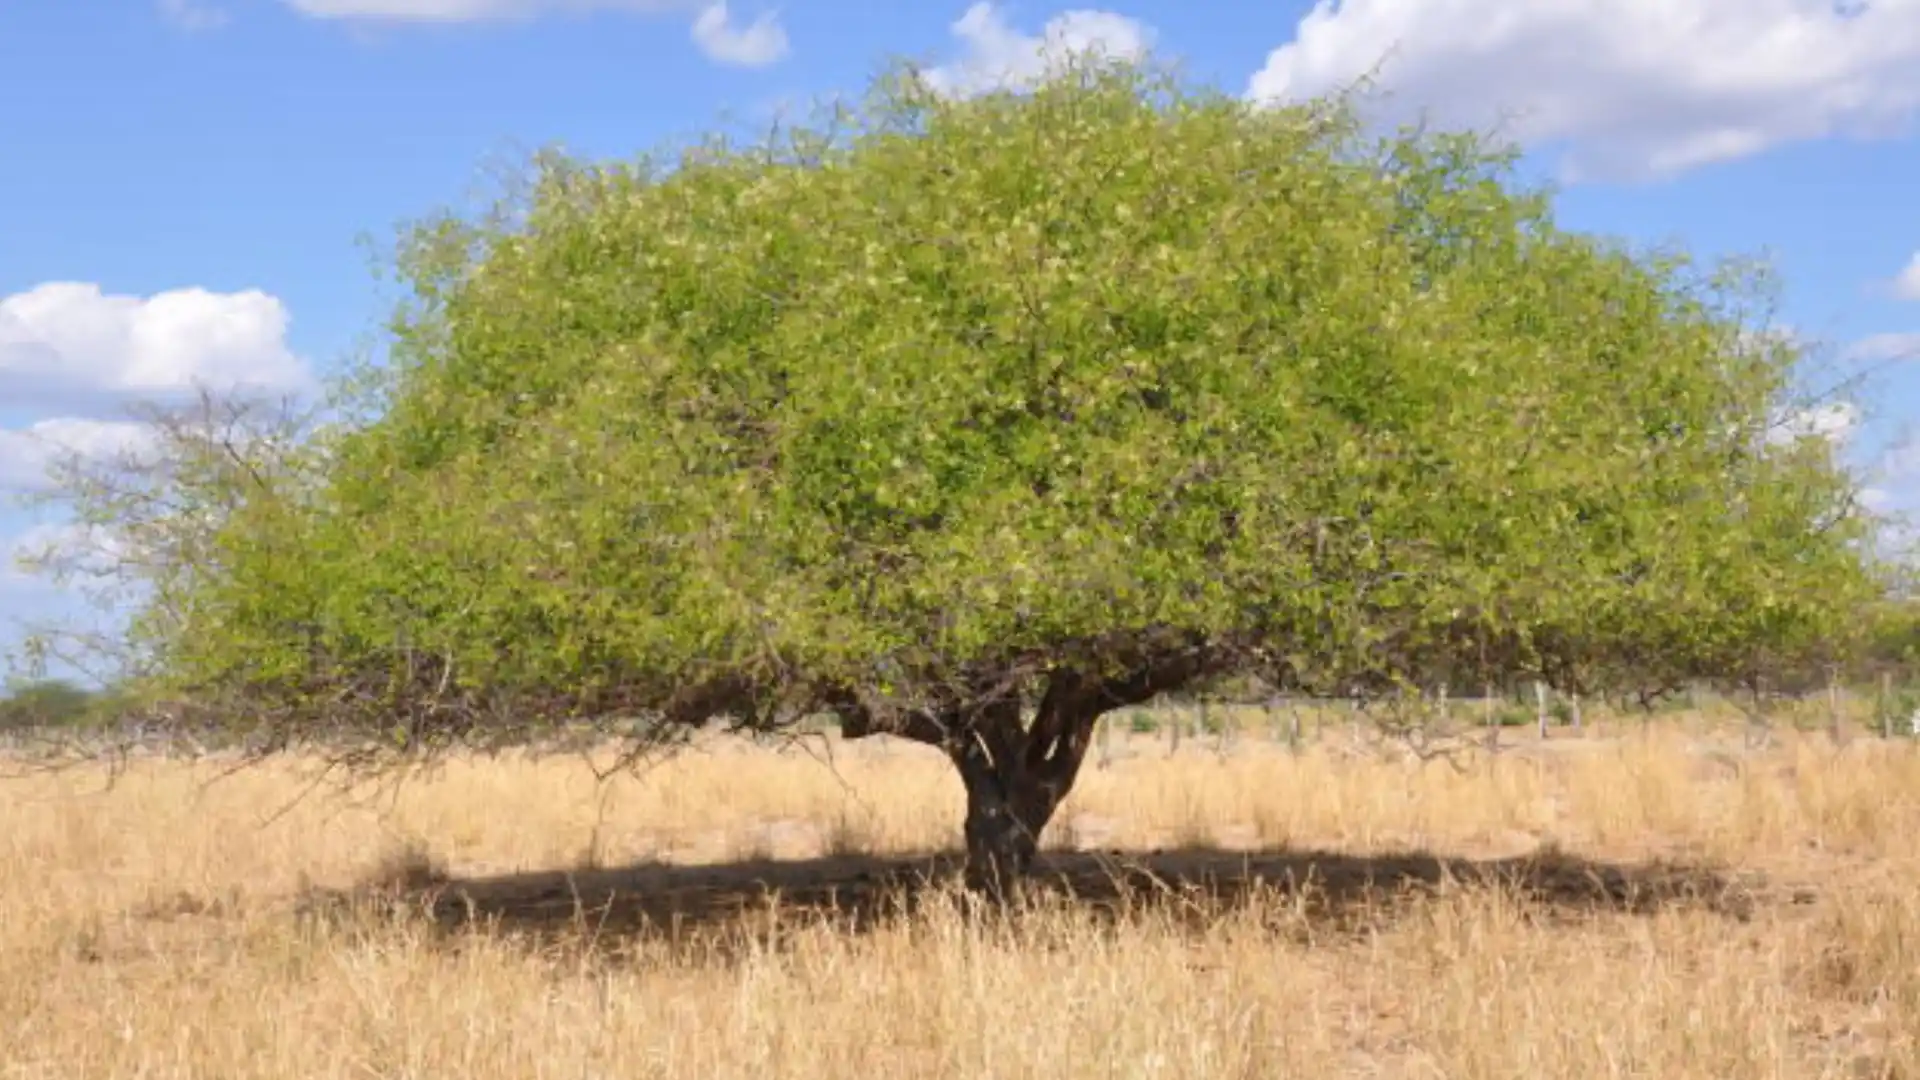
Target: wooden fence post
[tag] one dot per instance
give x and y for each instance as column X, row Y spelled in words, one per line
column 1492, row 720
column 1833, row 706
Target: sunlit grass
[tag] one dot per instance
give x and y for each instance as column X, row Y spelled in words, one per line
column 149, row 928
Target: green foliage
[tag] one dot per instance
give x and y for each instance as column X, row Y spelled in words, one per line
column 1891, row 640
column 1893, row 714
column 955, row 388
column 46, row 703
column 1514, row 716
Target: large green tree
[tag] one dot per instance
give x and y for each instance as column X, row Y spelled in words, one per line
column 971, row 420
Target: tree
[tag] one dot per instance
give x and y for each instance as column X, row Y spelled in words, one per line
column 970, row 421
column 44, row 703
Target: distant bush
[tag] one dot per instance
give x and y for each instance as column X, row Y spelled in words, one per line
column 1514, row 716
column 47, row 703
column 1895, row 711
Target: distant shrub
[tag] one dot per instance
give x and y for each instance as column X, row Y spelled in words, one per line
column 1514, row 716
column 47, row 703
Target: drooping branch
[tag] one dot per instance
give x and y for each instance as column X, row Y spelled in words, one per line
column 864, row 714
column 984, row 703
column 1057, row 742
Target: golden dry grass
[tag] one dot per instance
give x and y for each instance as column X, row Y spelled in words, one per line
column 154, row 928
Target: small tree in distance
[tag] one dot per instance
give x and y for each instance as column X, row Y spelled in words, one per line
column 43, row 703
column 970, row 421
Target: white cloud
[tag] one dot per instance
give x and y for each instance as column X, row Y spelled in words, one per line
column 84, row 550
column 1896, row 489
column 192, row 14
column 996, row 56
column 1635, row 88
column 1885, row 347
column 1835, row 421
column 26, row 453
column 68, row 337
column 454, row 11
column 13, row 570
column 757, row 44
column 1901, row 461
column 1906, row 284
column 19, row 552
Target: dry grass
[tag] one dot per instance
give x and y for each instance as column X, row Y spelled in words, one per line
column 155, row 928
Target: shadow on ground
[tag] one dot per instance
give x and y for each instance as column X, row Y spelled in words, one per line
column 1324, row 890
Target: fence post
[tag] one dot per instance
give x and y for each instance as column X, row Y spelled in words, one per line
column 1833, row 705
column 1493, row 725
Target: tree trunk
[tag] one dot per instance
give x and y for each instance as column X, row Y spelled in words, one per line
column 1007, row 809
column 1017, row 774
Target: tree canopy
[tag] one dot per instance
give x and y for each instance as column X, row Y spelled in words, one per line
column 948, row 412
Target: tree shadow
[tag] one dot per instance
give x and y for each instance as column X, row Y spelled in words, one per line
column 1304, row 889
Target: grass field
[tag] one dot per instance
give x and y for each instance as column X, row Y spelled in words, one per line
column 1664, row 904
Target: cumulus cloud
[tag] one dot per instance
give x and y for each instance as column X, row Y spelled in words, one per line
column 995, row 55
column 91, row 549
column 192, row 14
column 455, row 11
column 26, row 452
column 65, row 338
column 1882, row 347
column 1906, row 284
column 17, row 577
column 756, row 44
column 1632, row 89
column 1835, row 421
column 1896, row 482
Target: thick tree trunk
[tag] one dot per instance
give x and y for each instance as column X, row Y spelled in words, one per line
column 1007, row 809
column 1018, row 773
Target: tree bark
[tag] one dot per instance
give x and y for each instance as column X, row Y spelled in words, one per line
column 1007, row 809
column 1018, row 773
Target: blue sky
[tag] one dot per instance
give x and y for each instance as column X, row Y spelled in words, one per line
column 185, row 185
